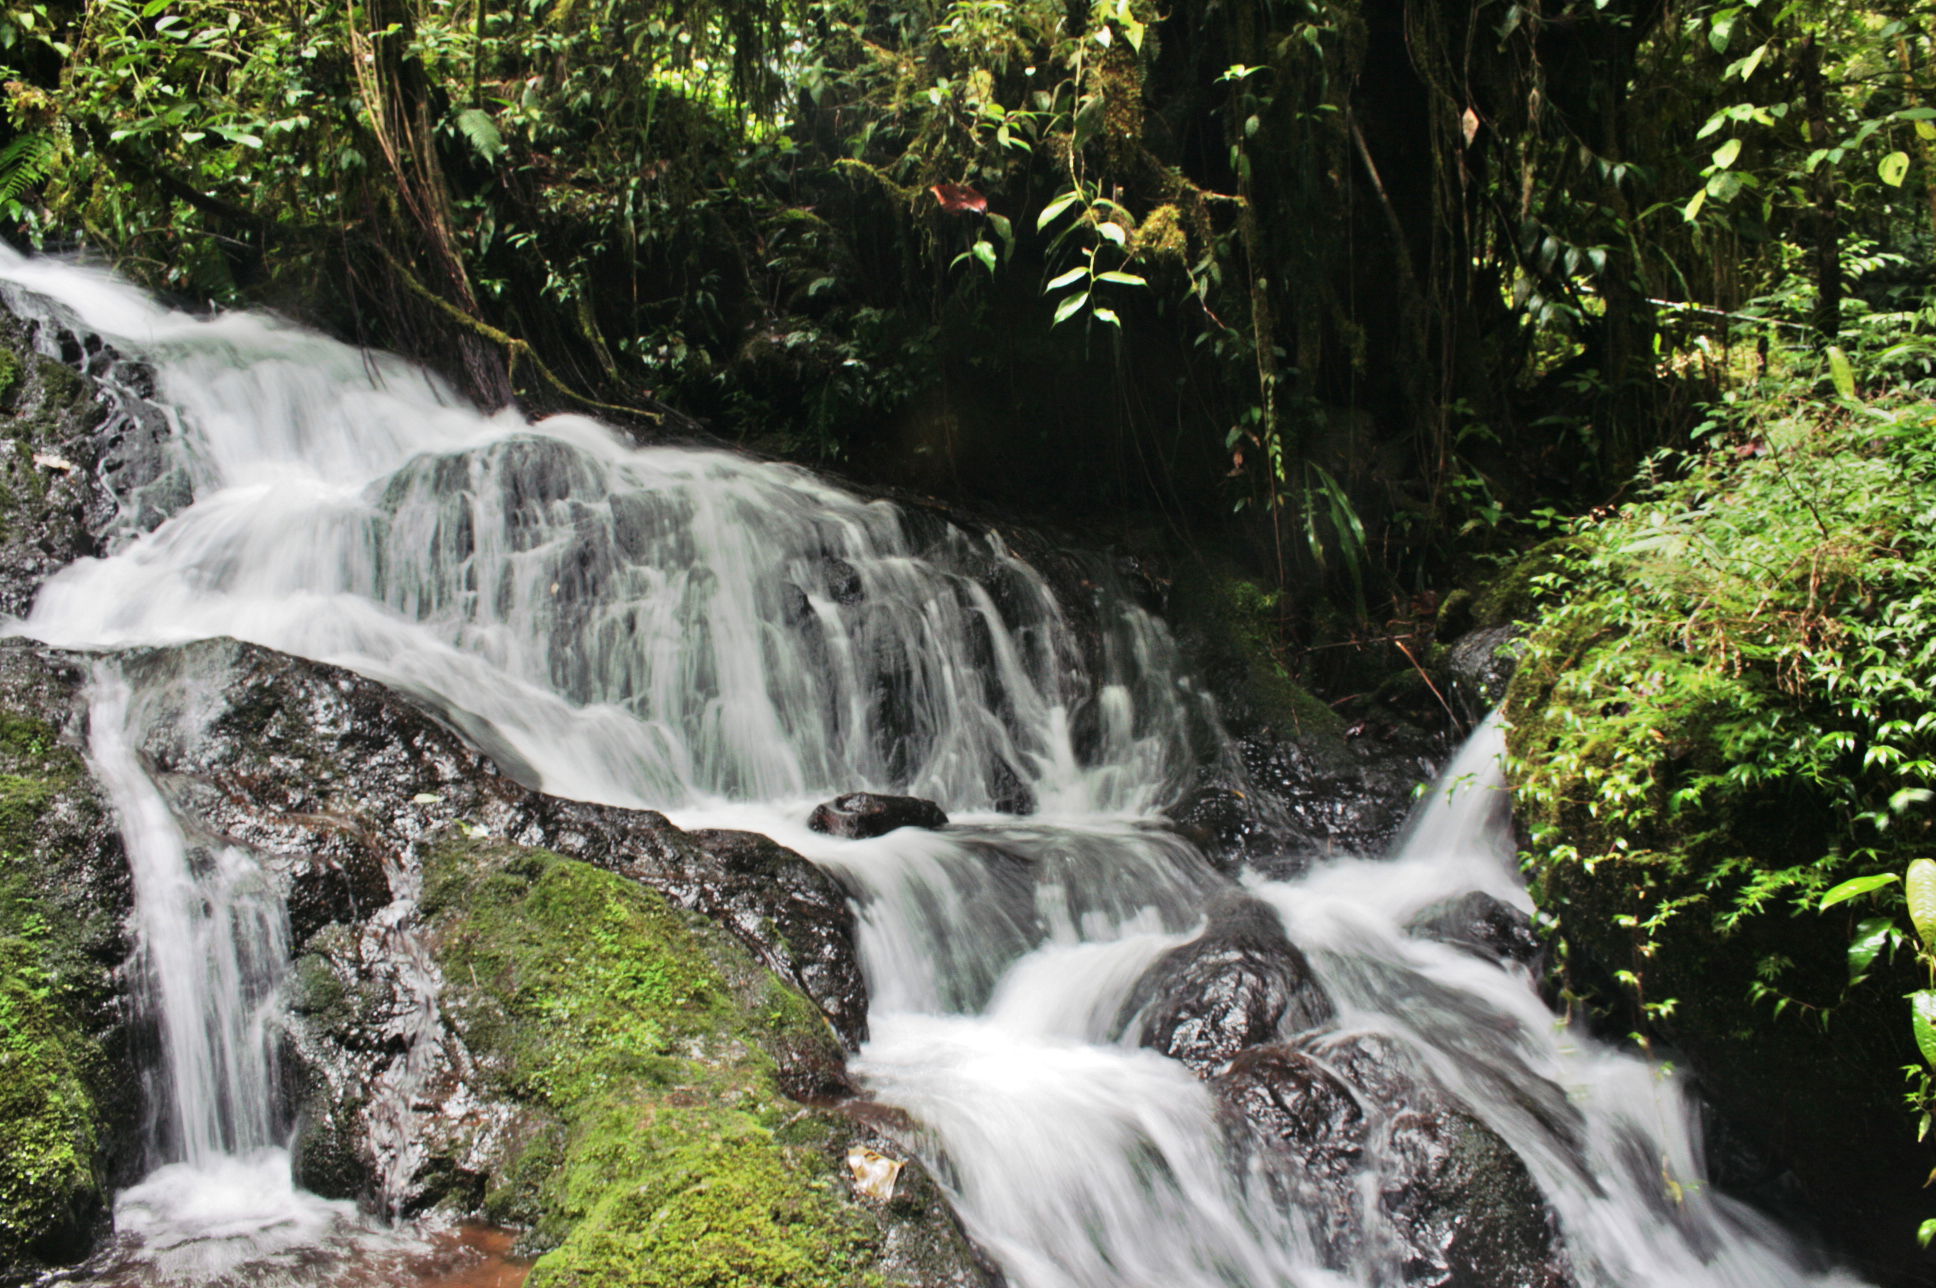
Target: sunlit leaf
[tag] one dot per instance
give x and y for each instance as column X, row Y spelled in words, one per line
column 1922, row 1021
column 1857, row 886
column 1919, row 886
column 1893, row 168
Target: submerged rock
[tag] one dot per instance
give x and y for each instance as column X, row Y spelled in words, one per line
column 859, row 815
column 1239, row 984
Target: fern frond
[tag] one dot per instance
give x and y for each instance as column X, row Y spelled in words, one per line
column 25, row 162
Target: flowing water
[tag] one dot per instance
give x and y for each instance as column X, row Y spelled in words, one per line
column 730, row 641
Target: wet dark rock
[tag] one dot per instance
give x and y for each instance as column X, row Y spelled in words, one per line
column 1279, row 1103
column 841, row 580
column 1239, row 984
column 1479, row 664
column 340, row 784
column 1480, row 924
column 759, row 884
column 1462, row 1210
column 1336, row 1122
column 1465, row 1207
column 1235, row 829
column 859, row 815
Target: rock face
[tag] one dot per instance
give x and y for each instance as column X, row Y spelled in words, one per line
column 859, row 815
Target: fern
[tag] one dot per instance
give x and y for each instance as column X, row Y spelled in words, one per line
column 25, row 163
column 477, row 126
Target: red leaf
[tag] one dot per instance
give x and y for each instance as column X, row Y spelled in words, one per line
column 958, row 196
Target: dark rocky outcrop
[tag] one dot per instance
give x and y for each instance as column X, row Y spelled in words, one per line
column 858, row 815
column 1239, row 984
column 1480, row 924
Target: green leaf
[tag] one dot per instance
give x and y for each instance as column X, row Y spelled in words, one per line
column 1107, row 315
column 1842, row 372
column 1871, row 937
column 1925, row 1232
column 985, row 252
column 1113, row 231
column 1720, row 28
column 476, row 125
column 1073, row 275
column 1122, row 279
column 1857, row 886
column 1053, row 211
column 1003, row 229
column 1724, row 156
column 1893, row 167
column 1919, row 885
column 1069, row 307
column 1926, row 130
column 1922, row 1022
column 1693, row 207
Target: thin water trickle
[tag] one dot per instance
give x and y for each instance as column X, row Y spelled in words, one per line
column 730, row 640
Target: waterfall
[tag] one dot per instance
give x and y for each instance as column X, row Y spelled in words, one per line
column 730, row 640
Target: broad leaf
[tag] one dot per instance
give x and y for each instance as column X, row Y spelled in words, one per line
column 1122, row 279
column 1069, row 307
column 1052, row 211
column 1922, row 1021
column 1893, row 168
column 1841, row 371
column 1857, row 886
column 1871, row 937
column 1919, row 885
column 1724, row 156
column 1065, row 279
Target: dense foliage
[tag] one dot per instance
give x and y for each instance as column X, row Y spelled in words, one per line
column 1723, row 737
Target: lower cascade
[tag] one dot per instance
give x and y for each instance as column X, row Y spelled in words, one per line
column 1121, row 1064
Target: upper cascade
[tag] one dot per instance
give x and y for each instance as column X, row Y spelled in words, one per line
column 647, row 626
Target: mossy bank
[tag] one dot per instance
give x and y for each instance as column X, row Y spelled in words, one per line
column 1726, row 710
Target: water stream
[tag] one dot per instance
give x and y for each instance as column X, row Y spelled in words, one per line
column 731, row 641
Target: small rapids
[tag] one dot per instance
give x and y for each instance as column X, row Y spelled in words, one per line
column 730, row 641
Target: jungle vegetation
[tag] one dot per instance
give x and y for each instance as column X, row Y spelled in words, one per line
column 1375, row 290
column 1390, row 276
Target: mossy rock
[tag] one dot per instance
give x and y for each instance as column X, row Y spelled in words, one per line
column 66, row 1118
column 641, row 1047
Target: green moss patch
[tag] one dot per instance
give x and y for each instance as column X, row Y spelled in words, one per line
column 662, row 1152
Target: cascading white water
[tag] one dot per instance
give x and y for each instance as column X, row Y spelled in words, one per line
column 730, row 640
